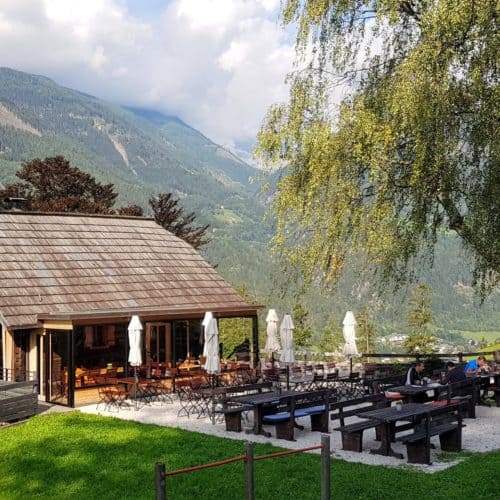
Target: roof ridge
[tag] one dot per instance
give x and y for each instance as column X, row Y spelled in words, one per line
column 75, row 214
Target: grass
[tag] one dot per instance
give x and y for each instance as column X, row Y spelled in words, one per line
column 489, row 336
column 73, row 455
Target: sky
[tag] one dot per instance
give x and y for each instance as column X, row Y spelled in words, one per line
column 216, row 64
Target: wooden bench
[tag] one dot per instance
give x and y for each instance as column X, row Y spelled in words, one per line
column 445, row 422
column 18, row 400
column 496, row 391
column 232, row 411
column 352, row 434
column 464, row 391
column 313, row 404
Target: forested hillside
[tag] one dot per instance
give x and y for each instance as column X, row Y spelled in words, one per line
column 144, row 152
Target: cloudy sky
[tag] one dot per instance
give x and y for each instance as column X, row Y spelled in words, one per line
column 217, row 64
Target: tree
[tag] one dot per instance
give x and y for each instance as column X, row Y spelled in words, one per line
column 419, row 317
column 236, row 331
column 302, row 333
column 53, row 185
column 332, row 338
column 131, row 210
column 366, row 331
column 168, row 214
column 411, row 150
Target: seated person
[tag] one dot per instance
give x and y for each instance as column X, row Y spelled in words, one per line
column 415, row 374
column 474, row 366
column 455, row 373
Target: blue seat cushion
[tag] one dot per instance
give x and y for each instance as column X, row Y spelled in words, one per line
column 313, row 409
column 282, row 416
column 302, row 412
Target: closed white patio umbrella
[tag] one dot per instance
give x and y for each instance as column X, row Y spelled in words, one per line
column 206, row 320
column 272, row 343
column 135, row 349
column 349, row 331
column 350, row 350
column 212, row 363
column 135, row 342
column 286, row 334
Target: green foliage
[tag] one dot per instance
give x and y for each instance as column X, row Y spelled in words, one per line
column 302, row 333
column 53, row 185
column 169, row 214
column 412, row 149
column 419, row 317
column 234, row 331
column 74, row 455
column 365, row 331
column 332, row 337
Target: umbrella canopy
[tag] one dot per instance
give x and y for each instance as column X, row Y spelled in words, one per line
column 349, row 323
column 212, row 363
column 272, row 343
column 206, row 320
column 286, row 334
column 134, row 340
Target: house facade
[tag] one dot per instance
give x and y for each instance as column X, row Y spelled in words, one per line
column 69, row 285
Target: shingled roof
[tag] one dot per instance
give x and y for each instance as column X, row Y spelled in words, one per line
column 56, row 265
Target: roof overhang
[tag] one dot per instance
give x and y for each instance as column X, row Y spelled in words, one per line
column 151, row 313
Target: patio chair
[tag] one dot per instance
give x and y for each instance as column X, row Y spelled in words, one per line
column 111, row 397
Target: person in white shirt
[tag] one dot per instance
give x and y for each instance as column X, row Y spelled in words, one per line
column 414, row 375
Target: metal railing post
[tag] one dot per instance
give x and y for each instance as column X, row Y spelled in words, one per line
column 160, row 482
column 325, row 467
column 249, row 477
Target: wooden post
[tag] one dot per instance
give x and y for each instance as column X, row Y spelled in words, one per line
column 325, row 467
column 255, row 341
column 249, row 477
column 160, row 482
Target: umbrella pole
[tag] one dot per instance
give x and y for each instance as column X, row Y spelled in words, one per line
column 350, row 366
column 135, row 386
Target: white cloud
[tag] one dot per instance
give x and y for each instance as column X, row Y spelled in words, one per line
column 218, row 64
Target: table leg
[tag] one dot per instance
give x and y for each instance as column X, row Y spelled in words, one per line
column 257, row 422
column 386, row 432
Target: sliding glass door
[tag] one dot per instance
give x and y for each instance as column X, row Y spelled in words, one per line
column 59, row 367
column 158, row 343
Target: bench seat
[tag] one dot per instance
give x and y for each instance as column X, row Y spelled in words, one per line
column 496, row 390
column 442, row 423
column 283, row 416
column 352, row 434
column 232, row 416
column 313, row 405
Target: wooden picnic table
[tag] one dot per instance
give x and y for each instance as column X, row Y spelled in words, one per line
column 414, row 393
column 388, row 418
column 258, row 401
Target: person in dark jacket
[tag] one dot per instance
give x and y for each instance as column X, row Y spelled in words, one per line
column 415, row 374
column 455, row 373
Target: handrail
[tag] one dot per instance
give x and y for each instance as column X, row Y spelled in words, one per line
column 206, row 466
column 161, row 474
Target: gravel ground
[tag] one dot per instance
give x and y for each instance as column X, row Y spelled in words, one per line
column 481, row 434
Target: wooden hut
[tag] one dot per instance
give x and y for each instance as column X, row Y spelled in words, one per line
column 69, row 285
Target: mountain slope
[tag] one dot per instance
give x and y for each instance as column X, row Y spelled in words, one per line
column 145, row 152
column 40, row 118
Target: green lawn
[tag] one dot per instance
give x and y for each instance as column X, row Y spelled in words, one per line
column 81, row 456
column 489, row 336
